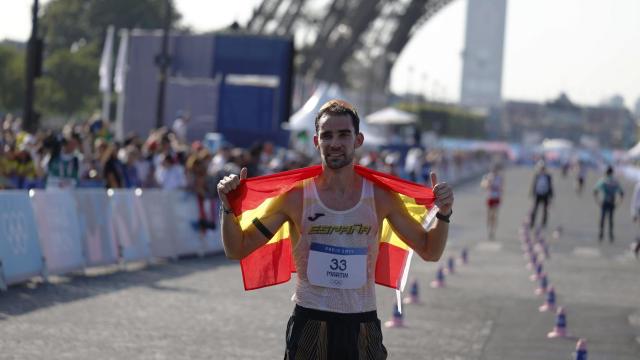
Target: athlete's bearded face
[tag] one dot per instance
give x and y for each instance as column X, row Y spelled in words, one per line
column 337, row 141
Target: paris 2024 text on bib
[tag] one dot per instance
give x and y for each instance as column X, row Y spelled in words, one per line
column 337, row 267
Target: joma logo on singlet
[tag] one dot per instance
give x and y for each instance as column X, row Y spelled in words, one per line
column 339, row 229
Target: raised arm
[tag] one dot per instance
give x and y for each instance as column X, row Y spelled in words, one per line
column 239, row 243
column 429, row 245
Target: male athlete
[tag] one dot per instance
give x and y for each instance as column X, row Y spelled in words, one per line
column 610, row 188
column 493, row 183
column 542, row 192
column 330, row 322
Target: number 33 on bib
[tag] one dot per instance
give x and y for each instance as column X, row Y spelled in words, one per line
column 337, row 267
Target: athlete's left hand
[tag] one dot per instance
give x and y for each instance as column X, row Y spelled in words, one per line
column 443, row 193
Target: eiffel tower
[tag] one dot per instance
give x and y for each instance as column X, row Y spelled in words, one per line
column 353, row 43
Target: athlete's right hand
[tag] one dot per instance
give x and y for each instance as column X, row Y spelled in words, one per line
column 228, row 184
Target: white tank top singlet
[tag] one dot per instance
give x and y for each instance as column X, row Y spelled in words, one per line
column 353, row 228
column 495, row 187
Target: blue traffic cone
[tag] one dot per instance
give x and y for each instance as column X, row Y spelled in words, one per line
column 397, row 319
column 464, row 256
column 533, row 261
column 538, row 273
column 542, row 285
column 414, row 294
column 560, row 329
column 439, row 281
column 581, row 350
column 550, row 302
column 451, row 265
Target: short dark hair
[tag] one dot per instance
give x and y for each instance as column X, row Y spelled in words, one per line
column 609, row 170
column 339, row 107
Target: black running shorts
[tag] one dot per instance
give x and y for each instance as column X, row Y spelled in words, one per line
column 323, row 335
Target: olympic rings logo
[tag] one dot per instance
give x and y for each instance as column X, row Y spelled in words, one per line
column 14, row 226
column 336, row 282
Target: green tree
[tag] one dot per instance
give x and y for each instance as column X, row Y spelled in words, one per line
column 12, row 74
column 70, row 84
column 448, row 120
column 65, row 22
column 73, row 32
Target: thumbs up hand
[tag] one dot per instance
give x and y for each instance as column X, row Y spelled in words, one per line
column 443, row 193
column 228, row 184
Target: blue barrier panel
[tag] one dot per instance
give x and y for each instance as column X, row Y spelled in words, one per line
column 94, row 219
column 157, row 205
column 129, row 226
column 58, row 230
column 19, row 247
column 185, row 213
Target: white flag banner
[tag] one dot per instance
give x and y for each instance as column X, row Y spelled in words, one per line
column 106, row 62
column 121, row 62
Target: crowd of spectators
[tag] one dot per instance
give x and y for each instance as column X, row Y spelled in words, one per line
column 86, row 155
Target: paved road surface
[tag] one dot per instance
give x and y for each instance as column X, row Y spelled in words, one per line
column 196, row 308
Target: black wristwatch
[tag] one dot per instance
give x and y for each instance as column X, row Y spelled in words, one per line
column 444, row 218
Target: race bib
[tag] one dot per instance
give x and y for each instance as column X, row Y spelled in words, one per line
column 337, row 267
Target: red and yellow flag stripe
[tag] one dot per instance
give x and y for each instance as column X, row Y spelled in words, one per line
column 273, row 264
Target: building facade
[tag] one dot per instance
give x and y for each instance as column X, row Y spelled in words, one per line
column 612, row 127
column 483, row 53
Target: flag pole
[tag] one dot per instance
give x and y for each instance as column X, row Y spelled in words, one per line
column 163, row 60
column 105, row 74
column 119, row 81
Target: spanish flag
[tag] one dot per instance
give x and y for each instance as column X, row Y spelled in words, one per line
column 272, row 263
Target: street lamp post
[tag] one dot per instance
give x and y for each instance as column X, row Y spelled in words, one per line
column 33, row 70
column 162, row 61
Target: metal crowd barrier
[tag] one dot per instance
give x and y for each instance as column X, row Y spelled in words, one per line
column 458, row 174
column 55, row 232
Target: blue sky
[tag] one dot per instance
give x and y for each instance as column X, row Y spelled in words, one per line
column 589, row 49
